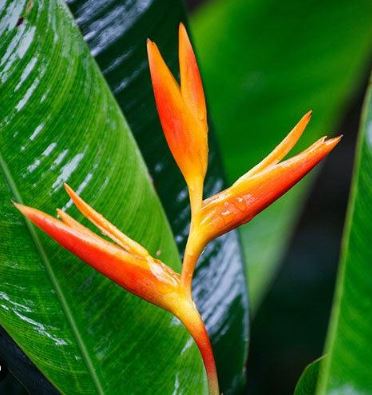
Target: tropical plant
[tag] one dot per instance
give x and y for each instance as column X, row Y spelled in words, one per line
column 69, row 329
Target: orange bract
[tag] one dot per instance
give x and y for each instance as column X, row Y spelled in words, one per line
column 129, row 265
column 257, row 189
column 140, row 274
column 191, row 83
column 182, row 113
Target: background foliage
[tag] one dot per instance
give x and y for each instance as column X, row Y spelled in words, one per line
column 279, row 60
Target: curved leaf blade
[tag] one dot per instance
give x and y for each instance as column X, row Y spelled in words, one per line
column 279, row 60
column 116, row 33
column 60, row 123
column 347, row 368
column 308, row 380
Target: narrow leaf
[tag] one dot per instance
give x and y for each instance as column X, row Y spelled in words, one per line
column 308, row 380
column 347, row 368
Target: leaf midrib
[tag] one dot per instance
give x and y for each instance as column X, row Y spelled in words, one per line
column 52, row 277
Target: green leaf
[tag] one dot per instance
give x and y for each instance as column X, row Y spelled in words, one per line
column 60, row 123
column 116, row 33
column 347, row 369
column 308, row 380
column 266, row 63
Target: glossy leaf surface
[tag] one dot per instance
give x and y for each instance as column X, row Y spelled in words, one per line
column 347, row 370
column 60, row 123
column 265, row 64
column 308, row 380
column 116, row 32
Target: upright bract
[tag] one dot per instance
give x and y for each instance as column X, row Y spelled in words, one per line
column 182, row 112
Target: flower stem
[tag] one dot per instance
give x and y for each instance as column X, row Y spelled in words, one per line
column 193, row 251
column 195, row 325
column 194, row 245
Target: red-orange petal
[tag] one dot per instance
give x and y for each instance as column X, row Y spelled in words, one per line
column 249, row 196
column 185, row 134
column 146, row 278
column 191, row 83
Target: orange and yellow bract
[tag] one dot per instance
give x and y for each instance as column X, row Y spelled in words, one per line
column 182, row 113
column 262, row 185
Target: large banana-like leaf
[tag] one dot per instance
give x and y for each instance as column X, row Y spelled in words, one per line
column 347, row 368
column 59, row 122
column 267, row 62
column 219, row 286
column 116, row 32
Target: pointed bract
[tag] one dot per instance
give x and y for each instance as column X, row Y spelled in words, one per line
column 284, row 147
column 106, row 227
column 147, row 278
column 250, row 195
column 72, row 223
column 182, row 119
column 191, row 83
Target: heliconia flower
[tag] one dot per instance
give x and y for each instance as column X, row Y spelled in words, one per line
column 262, row 185
column 183, row 117
column 182, row 113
